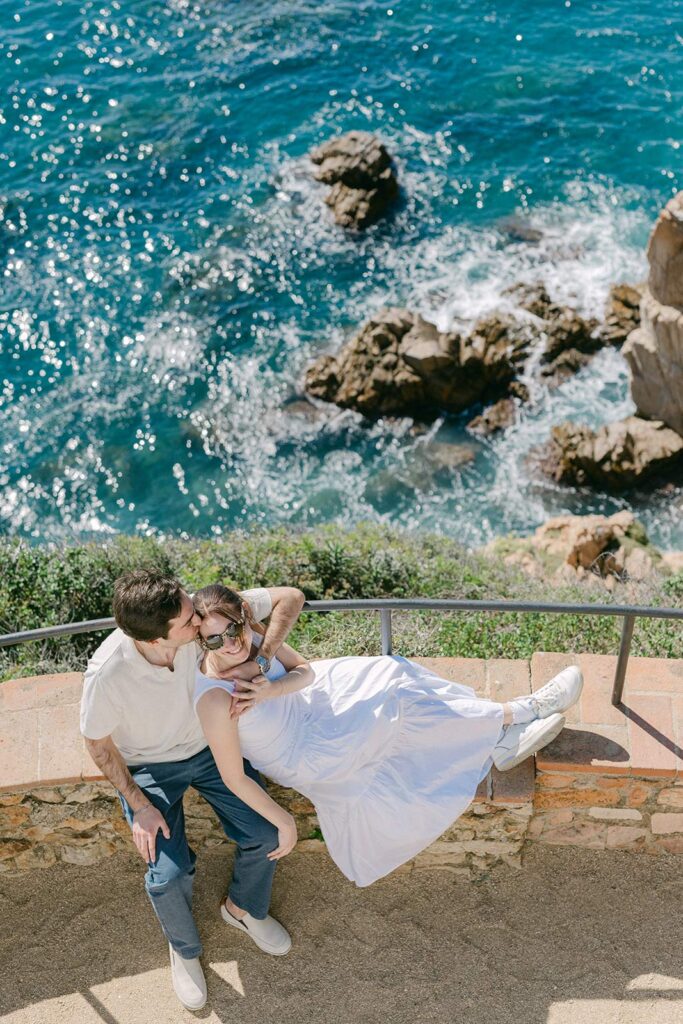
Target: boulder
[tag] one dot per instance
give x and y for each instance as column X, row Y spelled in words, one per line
column 616, row 456
column 622, row 313
column 400, row 364
column 497, row 417
column 611, row 548
column 359, row 169
column 580, row 540
column 673, row 560
column 570, row 339
column 654, row 350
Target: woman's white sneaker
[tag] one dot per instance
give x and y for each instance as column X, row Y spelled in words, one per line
column 268, row 934
column 520, row 741
column 189, row 983
column 559, row 693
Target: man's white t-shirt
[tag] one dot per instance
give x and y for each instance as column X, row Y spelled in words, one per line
column 146, row 709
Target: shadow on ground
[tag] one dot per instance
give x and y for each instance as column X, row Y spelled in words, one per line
column 575, row 936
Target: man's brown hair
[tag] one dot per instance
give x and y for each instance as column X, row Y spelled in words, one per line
column 145, row 601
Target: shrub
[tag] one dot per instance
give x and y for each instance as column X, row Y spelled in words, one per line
column 45, row 586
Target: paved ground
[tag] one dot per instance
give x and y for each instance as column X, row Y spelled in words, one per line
column 577, row 936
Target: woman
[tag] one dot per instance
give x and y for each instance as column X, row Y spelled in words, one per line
column 389, row 753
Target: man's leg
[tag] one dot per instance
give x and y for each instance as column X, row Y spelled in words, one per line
column 252, row 876
column 170, row 877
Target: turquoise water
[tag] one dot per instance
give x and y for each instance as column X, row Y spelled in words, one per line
column 169, row 269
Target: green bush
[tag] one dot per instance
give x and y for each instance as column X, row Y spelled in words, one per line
column 45, row 586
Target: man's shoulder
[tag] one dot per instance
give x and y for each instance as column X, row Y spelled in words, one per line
column 107, row 658
column 259, row 601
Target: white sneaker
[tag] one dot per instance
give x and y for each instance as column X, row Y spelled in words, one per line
column 268, row 934
column 520, row 741
column 559, row 694
column 189, row 983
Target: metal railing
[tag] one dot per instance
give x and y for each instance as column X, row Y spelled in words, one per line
column 386, row 606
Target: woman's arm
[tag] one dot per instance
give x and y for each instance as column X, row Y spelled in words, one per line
column 213, row 710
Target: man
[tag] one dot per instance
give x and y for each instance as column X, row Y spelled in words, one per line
column 138, row 719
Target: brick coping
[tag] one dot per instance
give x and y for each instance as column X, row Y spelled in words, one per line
column 40, row 742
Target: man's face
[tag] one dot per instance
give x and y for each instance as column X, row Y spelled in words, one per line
column 184, row 628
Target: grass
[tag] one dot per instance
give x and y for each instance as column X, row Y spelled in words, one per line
column 45, row 586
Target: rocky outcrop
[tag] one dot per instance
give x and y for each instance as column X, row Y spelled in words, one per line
column 655, row 350
column 359, row 169
column 616, row 456
column 400, row 364
column 622, row 314
column 570, row 339
column 494, row 419
column 613, row 549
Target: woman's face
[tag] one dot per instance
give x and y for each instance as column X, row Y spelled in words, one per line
column 234, row 649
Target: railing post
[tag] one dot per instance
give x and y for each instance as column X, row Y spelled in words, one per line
column 385, row 628
column 622, row 662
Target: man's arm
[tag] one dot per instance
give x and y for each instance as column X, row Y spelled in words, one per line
column 287, row 604
column 147, row 820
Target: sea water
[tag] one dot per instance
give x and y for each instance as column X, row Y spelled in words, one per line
column 169, row 267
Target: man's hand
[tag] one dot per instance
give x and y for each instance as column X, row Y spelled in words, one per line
column 146, row 823
column 250, row 692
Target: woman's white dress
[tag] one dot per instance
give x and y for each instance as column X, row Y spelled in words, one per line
column 389, row 753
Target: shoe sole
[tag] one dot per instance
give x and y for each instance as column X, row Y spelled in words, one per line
column 554, row 729
column 229, row 919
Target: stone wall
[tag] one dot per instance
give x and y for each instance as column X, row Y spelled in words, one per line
column 82, row 823
column 613, row 812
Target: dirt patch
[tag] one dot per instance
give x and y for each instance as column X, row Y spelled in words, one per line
column 575, row 936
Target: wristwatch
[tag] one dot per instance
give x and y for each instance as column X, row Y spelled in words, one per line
column 263, row 664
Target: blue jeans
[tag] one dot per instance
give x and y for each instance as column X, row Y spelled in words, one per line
column 169, row 878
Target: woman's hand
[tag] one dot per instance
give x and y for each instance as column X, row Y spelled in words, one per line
column 250, row 692
column 287, row 837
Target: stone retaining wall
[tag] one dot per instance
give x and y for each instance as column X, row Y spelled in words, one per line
column 82, row 823
column 608, row 812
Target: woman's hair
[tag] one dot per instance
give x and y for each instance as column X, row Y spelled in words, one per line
column 220, row 600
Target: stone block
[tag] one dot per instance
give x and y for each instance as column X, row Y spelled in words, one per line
column 615, row 814
column 507, row 679
column 650, row 729
column 60, row 745
column 576, row 798
column 637, row 793
column 625, row 836
column 18, row 747
column 672, row 844
column 515, row 786
column 560, row 817
column 591, row 835
column 587, row 749
column 671, row 797
column 664, row 824
column 550, row 780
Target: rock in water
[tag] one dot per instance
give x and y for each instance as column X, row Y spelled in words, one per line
column 497, row 417
column 359, row 169
column 622, row 314
column 616, row 457
column 570, row 340
column 655, row 350
column 400, row 364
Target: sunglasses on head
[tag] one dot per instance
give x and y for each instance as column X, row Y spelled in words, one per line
column 235, row 631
